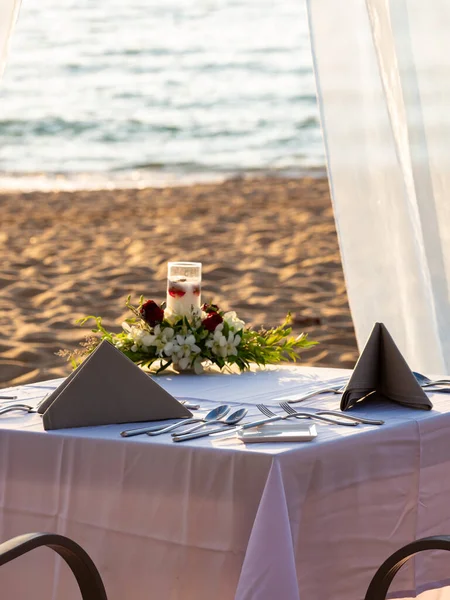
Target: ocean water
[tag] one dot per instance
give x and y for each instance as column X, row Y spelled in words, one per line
column 137, row 91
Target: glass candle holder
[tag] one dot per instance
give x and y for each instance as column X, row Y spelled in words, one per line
column 184, row 287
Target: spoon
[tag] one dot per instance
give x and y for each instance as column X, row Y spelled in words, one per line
column 213, row 415
column 220, row 431
column 232, row 419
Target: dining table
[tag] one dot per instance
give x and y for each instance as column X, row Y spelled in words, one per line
column 215, row 517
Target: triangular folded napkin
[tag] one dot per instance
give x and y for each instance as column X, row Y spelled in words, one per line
column 108, row 388
column 382, row 372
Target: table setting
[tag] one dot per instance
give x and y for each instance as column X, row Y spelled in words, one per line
column 243, row 481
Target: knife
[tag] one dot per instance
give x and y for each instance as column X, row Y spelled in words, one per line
column 227, row 432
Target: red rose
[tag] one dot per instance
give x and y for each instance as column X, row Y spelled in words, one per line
column 211, row 321
column 151, row 313
column 210, row 308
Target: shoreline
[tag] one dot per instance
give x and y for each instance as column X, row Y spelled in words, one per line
column 268, row 246
column 138, row 179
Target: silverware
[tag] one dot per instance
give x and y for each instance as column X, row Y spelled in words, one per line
column 20, row 406
column 438, row 385
column 213, row 416
column 314, row 416
column 324, row 390
column 232, row 419
column 229, row 432
column 156, row 430
column 425, row 381
column 189, row 405
column 288, row 409
column 26, row 407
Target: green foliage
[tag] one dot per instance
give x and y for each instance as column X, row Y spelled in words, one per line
column 262, row 347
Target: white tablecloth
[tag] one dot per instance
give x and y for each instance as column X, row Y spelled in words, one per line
column 217, row 519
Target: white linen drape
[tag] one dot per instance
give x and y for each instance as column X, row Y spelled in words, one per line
column 383, row 81
column 9, row 9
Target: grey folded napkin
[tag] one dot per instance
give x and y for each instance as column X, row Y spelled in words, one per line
column 382, row 372
column 108, row 388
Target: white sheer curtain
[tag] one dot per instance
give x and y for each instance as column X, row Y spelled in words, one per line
column 9, row 9
column 383, row 82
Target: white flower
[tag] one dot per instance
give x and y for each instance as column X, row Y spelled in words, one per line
column 136, row 335
column 194, row 316
column 142, row 339
column 134, row 332
column 162, row 340
column 233, row 321
column 187, row 345
column 232, row 344
column 148, row 340
column 184, row 362
column 223, row 346
column 168, row 333
column 182, row 349
column 216, row 340
column 170, row 348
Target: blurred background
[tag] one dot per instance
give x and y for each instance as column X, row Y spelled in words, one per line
column 137, row 132
column 108, row 92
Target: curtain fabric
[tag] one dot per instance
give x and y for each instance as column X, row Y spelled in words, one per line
column 383, row 81
column 9, row 9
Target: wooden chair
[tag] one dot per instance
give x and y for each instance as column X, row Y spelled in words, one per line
column 382, row 579
column 86, row 573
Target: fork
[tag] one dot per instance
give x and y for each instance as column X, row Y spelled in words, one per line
column 290, row 410
column 21, row 406
column 25, row 407
column 334, row 389
column 219, row 432
column 304, row 415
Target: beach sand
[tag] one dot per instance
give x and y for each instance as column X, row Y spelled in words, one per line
column 268, row 246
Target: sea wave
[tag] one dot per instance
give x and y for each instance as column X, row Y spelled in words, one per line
column 188, row 87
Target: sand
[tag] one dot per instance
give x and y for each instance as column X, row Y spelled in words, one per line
column 268, row 246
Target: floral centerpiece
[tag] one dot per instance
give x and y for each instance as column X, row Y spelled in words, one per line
column 155, row 337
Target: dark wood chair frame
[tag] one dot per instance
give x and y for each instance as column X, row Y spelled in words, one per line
column 86, row 573
column 382, row 579
column 91, row 584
